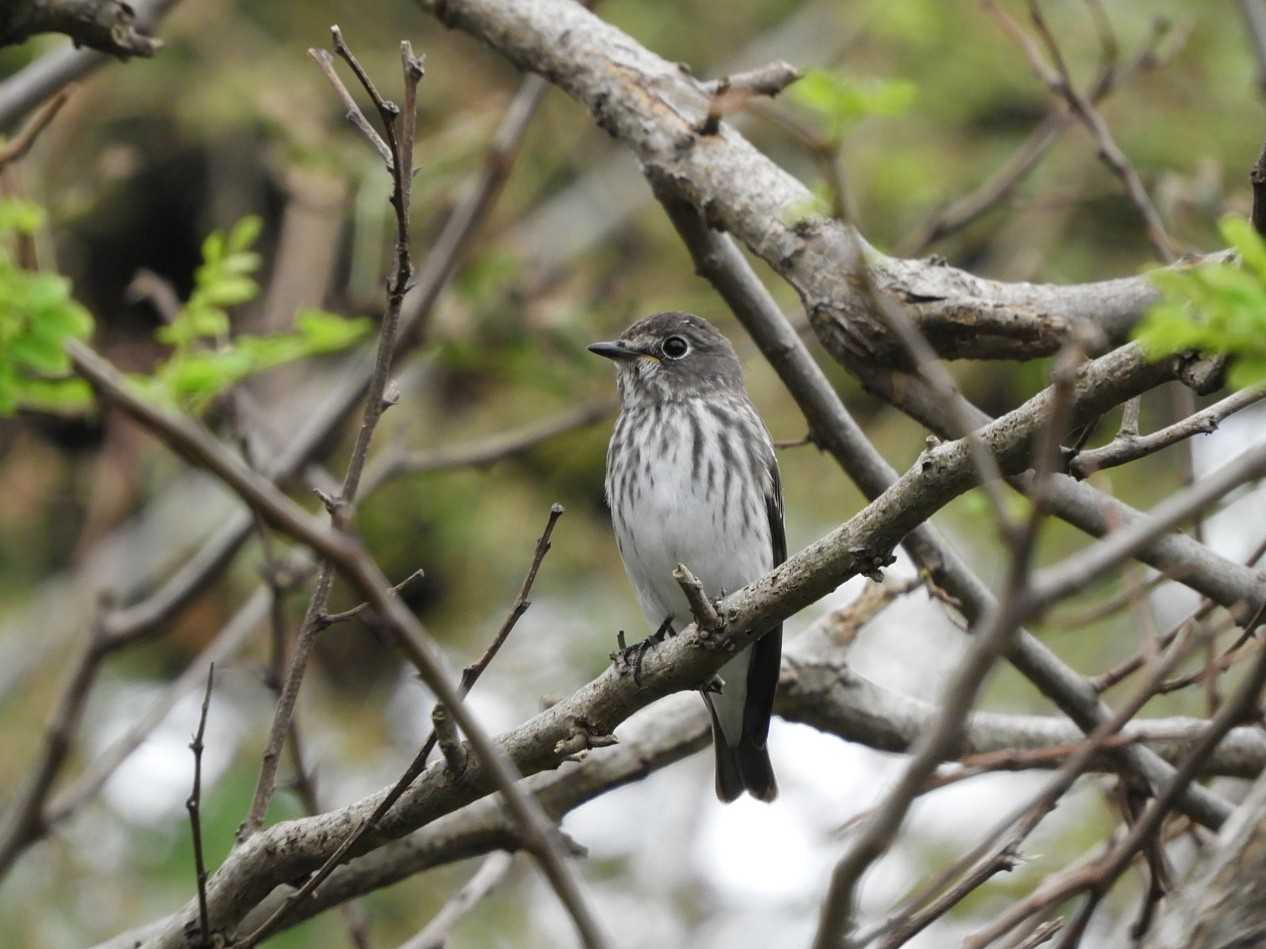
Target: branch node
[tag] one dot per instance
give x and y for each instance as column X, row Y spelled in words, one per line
column 450, row 743
column 704, row 611
column 581, row 738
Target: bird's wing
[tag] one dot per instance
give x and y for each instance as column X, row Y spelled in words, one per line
column 762, row 674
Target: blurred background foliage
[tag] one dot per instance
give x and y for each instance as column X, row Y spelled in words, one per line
column 232, row 119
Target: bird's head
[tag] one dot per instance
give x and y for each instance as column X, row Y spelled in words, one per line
column 671, row 356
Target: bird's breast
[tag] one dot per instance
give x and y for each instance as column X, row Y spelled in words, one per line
column 687, row 483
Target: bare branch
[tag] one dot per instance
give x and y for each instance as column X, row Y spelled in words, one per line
column 717, row 259
column 24, row 821
column 470, row 675
column 329, row 619
column 16, row 148
column 449, row 742
column 183, row 436
column 401, row 169
column 109, row 26
column 1057, row 582
column 490, row 873
column 354, row 113
column 193, row 805
column 1060, row 82
column 733, row 92
column 1002, row 183
column 703, row 610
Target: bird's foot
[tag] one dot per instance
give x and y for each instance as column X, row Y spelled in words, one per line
column 629, row 658
column 714, row 686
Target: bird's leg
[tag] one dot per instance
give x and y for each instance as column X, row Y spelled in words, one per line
column 626, row 657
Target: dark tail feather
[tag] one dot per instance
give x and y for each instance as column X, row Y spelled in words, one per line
column 729, row 777
column 742, row 768
column 756, row 769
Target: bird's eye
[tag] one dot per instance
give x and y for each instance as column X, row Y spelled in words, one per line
column 675, row 347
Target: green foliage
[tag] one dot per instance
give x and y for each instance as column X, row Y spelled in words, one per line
column 223, row 280
column 37, row 316
column 837, row 101
column 206, row 360
column 1216, row 307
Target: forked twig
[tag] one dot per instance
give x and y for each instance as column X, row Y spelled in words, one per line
column 193, row 805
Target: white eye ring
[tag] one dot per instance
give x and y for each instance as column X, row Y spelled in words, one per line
column 675, row 347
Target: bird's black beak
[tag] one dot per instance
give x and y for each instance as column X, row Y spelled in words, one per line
column 614, row 350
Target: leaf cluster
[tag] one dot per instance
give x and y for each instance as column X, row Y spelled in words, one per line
column 1216, row 307
column 38, row 314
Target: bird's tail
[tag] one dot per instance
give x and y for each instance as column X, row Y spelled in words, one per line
column 742, row 767
column 757, row 771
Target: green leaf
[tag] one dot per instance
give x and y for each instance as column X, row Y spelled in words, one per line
column 42, row 353
column 1216, row 307
column 245, row 232
column 1239, row 233
column 324, row 331
column 839, row 101
column 213, row 247
column 60, row 396
column 229, row 291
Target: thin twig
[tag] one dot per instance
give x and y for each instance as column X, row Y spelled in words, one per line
column 1127, row 447
column 185, row 437
column 330, row 619
column 375, row 405
column 16, row 148
column 490, row 873
column 193, row 805
column 25, row 821
column 1103, row 874
column 354, row 114
column 1058, row 79
column 733, row 92
column 446, row 736
column 1029, row 154
column 703, row 610
column 470, row 675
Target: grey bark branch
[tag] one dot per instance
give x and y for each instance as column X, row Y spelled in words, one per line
column 28, row 88
column 654, row 107
column 286, row 851
column 718, row 260
column 190, row 441
column 109, row 26
column 817, row 688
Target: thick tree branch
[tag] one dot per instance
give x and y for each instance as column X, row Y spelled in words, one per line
column 109, row 26
column 718, row 260
column 860, row 545
column 817, row 688
column 654, row 108
column 190, row 441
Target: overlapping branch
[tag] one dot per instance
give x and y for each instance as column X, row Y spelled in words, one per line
column 655, row 108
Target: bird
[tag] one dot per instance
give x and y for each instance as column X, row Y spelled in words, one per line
column 692, row 478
